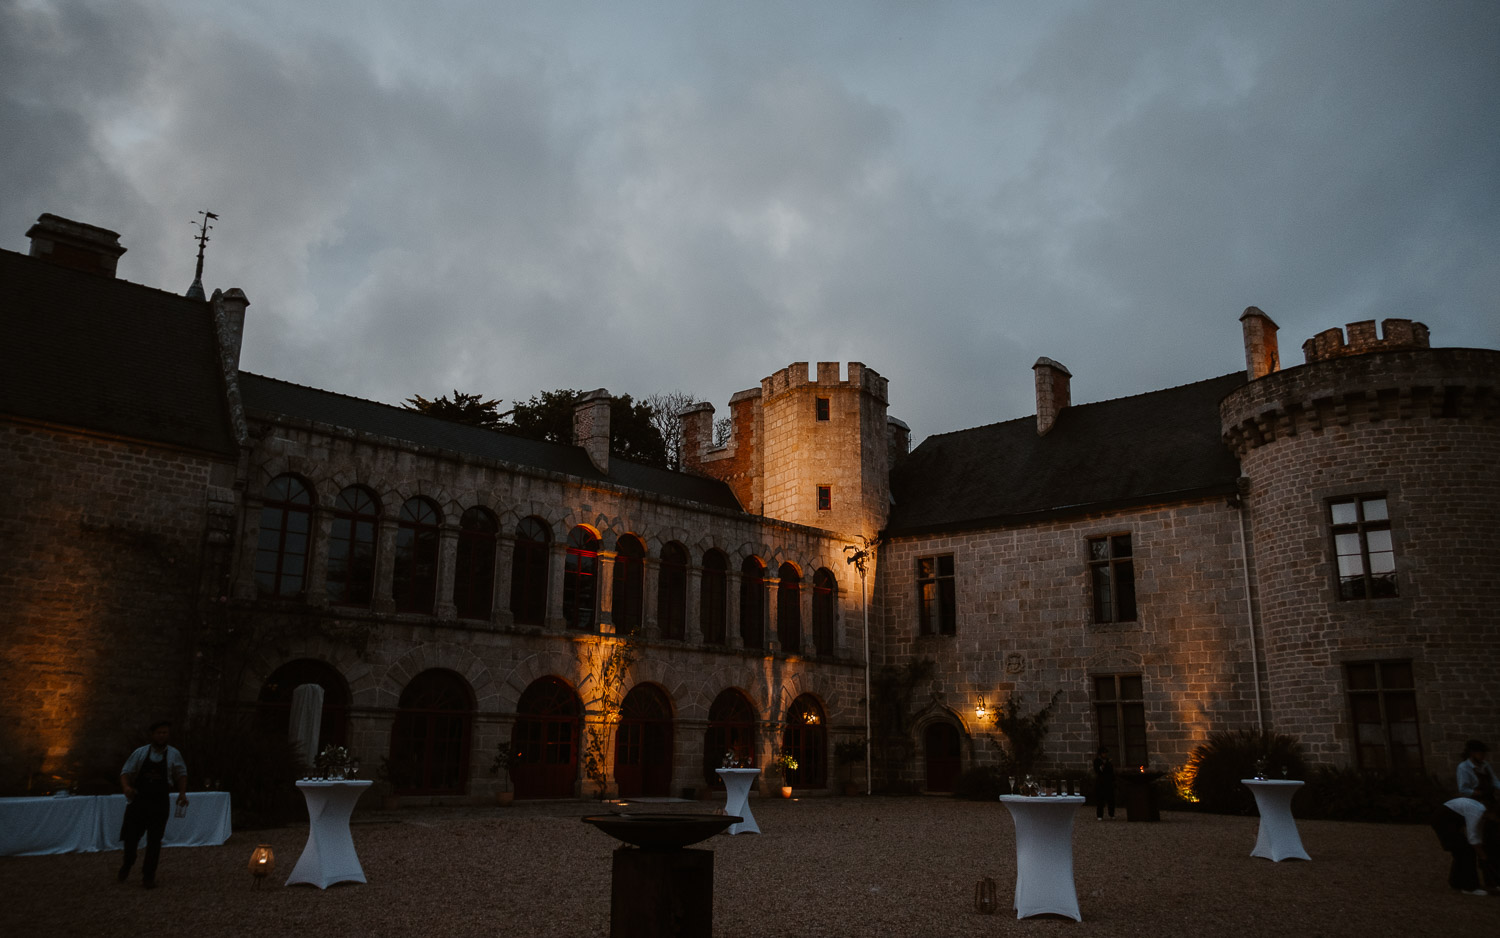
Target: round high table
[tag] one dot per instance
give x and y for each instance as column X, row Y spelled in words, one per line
column 1277, row 838
column 329, row 856
column 1044, row 854
column 737, row 798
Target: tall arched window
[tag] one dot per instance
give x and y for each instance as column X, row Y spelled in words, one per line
column 474, row 575
column 731, row 730
column 546, row 737
column 789, row 609
column 643, row 744
column 630, row 584
column 713, row 598
column 285, row 530
column 671, row 592
column 753, row 602
column 825, row 611
column 430, row 738
column 580, row 578
column 528, row 572
column 414, row 583
column 273, row 708
column 806, row 739
column 351, row 547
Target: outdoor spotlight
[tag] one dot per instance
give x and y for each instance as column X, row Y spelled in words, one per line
column 262, row 863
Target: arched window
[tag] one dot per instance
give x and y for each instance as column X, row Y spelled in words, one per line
column 430, row 739
column 580, row 579
column 474, row 575
column 351, row 547
column 944, row 756
column 671, row 592
column 806, row 739
column 630, row 584
column 546, row 737
column 713, row 597
column 528, row 572
column 825, row 611
column 285, row 531
column 731, row 730
column 753, row 602
column 643, row 744
column 273, row 708
column 414, row 580
column 789, row 609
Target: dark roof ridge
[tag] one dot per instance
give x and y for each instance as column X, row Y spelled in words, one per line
column 117, row 280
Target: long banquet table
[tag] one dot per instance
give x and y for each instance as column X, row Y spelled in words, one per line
column 91, row 823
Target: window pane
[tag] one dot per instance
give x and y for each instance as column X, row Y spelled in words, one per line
column 945, row 565
column 1125, row 601
column 1347, row 544
column 1104, row 688
column 1121, row 543
column 1378, row 539
column 1374, row 509
column 1397, row 674
column 1131, row 687
column 925, row 568
column 1343, row 513
column 1099, row 549
column 1361, row 676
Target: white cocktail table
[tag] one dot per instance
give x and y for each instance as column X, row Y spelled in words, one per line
column 329, row 856
column 737, row 798
column 1277, row 839
column 1044, row 854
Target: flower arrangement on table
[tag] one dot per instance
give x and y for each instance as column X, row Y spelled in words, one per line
column 335, row 763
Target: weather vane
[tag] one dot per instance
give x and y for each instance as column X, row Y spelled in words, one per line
column 196, row 290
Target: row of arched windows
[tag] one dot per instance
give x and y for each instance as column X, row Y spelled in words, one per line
column 284, row 548
column 431, row 734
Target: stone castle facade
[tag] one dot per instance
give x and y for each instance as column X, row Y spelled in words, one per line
column 1298, row 549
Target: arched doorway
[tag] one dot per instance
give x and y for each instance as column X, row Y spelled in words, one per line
column 273, row 708
column 805, row 738
column 430, row 739
column 643, row 744
column 546, row 736
column 731, row 729
column 944, row 752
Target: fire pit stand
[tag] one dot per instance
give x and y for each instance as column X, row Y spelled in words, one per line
column 660, row 889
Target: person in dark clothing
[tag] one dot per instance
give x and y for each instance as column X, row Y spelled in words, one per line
column 1460, row 827
column 1104, row 783
column 148, row 777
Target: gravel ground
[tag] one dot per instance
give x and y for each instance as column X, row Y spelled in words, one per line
column 826, row 866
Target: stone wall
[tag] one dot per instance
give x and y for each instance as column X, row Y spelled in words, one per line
column 102, row 551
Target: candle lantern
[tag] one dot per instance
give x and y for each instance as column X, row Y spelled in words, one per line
column 262, row 863
column 985, row 902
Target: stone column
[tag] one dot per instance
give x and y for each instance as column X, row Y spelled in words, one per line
column 732, row 610
column 604, row 592
column 650, row 597
column 385, row 565
column 443, row 605
column 769, row 607
column 557, row 561
column 505, row 558
column 692, row 624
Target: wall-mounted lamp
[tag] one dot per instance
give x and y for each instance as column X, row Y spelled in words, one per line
column 979, row 711
column 262, row 863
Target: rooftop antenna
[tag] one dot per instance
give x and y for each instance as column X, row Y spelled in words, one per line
column 195, row 291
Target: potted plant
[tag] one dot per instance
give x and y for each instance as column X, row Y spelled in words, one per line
column 846, row 754
column 783, row 763
column 507, row 760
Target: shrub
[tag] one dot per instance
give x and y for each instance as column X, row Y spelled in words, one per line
column 258, row 769
column 1343, row 794
column 1218, row 765
column 980, row 783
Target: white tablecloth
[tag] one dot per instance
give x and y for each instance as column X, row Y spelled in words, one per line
column 1277, row 839
column 737, row 798
column 329, row 856
column 1044, row 854
column 89, row 824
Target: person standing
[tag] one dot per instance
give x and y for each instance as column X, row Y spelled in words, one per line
column 1474, row 768
column 1459, row 824
column 1104, row 783
column 148, row 777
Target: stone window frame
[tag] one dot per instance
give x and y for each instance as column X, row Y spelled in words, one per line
column 1365, row 584
column 1110, row 563
column 581, row 579
column 825, row 498
column 474, row 563
column 354, row 515
column 529, row 571
column 286, row 503
column 713, row 599
column 1126, row 698
column 672, row 591
column 937, row 590
column 1389, row 694
column 414, row 562
column 628, row 603
column 822, row 409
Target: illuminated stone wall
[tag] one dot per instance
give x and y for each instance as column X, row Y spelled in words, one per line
column 1422, row 427
column 102, row 553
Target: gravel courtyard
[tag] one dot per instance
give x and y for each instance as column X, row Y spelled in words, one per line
column 826, row 866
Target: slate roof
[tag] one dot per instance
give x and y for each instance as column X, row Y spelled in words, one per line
column 269, row 397
column 1134, row 450
column 91, row 351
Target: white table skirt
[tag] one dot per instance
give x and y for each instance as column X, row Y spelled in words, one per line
column 1044, row 854
column 89, row 824
column 1277, row 838
column 329, row 856
column 737, row 798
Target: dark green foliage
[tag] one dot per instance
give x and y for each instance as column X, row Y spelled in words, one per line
column 1341, row 794
column 891, row 690
column 549, row 417
column 1218, row 765
column 258, row 769
column 471, row 409
column 981, row 783
column 1024, row 733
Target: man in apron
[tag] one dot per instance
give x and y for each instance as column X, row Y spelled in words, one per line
column 148, row 778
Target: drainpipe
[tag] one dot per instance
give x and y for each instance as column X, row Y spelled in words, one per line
column 1244, row 520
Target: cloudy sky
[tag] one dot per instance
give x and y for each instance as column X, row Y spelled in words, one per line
column 655, row 196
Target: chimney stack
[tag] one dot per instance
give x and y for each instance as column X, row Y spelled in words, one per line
column 591, row 427
column 1261, row 356
column 231, row 305
column 74, row 244
column 1053, row 392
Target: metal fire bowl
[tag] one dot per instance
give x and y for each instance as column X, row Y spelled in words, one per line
column 662, row 831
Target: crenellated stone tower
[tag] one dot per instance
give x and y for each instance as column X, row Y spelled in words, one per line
column 814, row 451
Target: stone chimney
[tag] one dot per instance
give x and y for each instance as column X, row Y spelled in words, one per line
column 591, row 427
column 1053, row 392
column 74, row 244
column 231, row 305
column 898, row 439
column 1261, row 356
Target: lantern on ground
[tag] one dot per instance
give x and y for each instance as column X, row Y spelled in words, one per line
column 985, row 902
column 262, row 863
